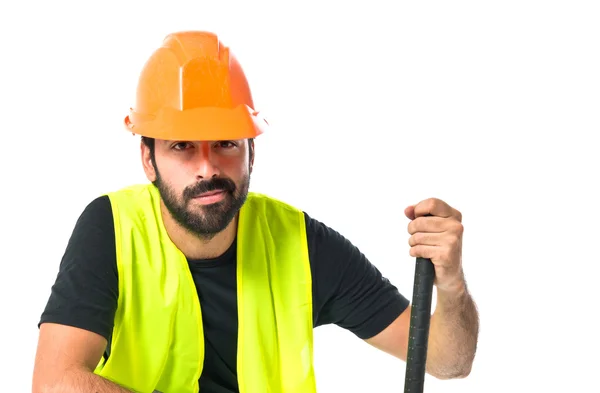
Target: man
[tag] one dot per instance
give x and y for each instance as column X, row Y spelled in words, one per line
column 192, row 283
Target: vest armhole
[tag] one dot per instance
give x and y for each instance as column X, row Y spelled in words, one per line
column 118, row 239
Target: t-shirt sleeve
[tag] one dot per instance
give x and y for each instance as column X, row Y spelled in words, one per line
column 85, row 291
column 348, row 290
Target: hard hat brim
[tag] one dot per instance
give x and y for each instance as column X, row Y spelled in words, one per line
column 198, row 124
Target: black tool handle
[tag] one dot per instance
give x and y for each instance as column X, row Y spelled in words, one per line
column 419, row 326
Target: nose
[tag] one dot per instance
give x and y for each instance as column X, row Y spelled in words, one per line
column 205, row 168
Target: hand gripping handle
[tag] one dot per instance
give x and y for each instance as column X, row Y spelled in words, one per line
column 419, row 326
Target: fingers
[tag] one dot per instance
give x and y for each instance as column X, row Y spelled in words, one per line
column 447, row 240
column 431, row 224
column 422, row 251
column 426, row 239
column 435, row 237
column 442, row 256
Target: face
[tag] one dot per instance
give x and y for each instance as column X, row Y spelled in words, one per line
column 202, row 184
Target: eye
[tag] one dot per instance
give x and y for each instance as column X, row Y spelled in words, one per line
column 179, row 146
column 226, row 144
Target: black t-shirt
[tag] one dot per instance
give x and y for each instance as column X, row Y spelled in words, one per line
column 347, row 290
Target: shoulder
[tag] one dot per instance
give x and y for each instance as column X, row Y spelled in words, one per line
column 332, row 255
column 96, row 215
column 257, row 200
column 318, row 234
column 94, row 229
column 99, row 206
column 85, row 291
column 282, row 218
column 325, row 240
column 92, row 241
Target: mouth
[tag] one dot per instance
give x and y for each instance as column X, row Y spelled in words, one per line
column 215, row 192
column 210, row 197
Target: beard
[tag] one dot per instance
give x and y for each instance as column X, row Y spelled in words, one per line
column 205, row 221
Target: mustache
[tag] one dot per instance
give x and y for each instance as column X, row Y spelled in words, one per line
column 215, row 184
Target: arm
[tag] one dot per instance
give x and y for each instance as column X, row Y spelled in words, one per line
column 65, row 360
column 436, row 231
column 351, row 292
column 348, row 290
column 78, row 319
column 453, row 335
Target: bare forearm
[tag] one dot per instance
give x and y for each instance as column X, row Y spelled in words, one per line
column 82, row 381
column 453, row 335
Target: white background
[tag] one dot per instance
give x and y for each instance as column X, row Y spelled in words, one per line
column 490, row 106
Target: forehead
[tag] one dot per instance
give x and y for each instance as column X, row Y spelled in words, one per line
column 198, row 142
column 168, row 142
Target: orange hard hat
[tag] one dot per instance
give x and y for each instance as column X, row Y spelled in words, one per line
column 193, row 88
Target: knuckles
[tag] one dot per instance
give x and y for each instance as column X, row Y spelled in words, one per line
column 458, row 228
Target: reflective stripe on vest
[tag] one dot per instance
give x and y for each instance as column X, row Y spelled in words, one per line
column 158, row 342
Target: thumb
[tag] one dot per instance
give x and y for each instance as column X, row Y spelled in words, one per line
column 410, row 212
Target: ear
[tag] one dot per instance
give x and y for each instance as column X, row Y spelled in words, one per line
column 147, row 162
column 252, row 151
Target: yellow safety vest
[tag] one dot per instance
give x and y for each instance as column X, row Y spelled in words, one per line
column 158, row 342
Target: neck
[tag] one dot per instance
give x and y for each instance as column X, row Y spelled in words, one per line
column 193, row 246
